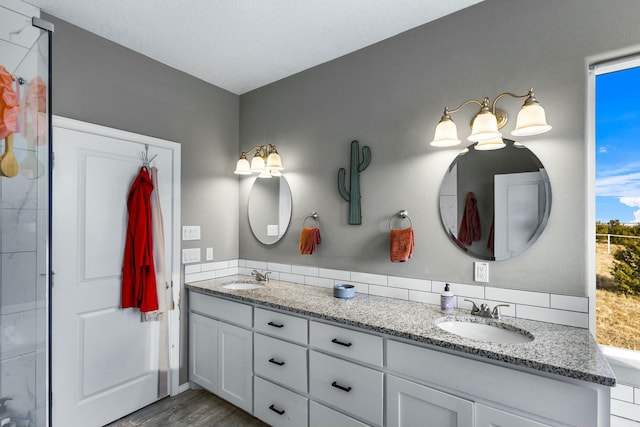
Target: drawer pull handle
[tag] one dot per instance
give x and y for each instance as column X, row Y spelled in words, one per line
column 337, row 341
column 275, row 362
column 276, row 410
column 341, row 387
column 275, row 325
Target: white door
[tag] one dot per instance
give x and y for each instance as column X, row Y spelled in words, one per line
column 414, row 405
column 235, row 350
column 520, row 210
column 105, row 361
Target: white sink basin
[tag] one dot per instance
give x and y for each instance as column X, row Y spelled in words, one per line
column 238, row 286
column 490, row 331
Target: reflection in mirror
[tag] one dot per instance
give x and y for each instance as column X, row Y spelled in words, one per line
column 495, row 204
column 269, row 209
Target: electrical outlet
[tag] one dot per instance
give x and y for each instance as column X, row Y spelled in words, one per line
column 209, row 254
column 481, row 272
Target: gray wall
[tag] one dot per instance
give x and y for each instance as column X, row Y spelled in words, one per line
column 100, row 82
column 391, row 95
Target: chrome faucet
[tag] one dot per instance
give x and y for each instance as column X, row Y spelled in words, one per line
column 484, row 311
column 261, row 277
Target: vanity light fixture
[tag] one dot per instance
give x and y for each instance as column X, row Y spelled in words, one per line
column 486, row 125
column 266, row 162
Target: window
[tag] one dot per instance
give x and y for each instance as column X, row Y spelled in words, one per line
column 617, row 204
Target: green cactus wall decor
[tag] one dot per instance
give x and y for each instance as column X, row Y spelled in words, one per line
column 353, row 195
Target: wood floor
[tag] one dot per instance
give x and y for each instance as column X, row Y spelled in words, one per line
column 193, row 408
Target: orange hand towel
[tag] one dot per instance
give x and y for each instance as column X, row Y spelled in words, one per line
column 401, row 244
column 309, row 240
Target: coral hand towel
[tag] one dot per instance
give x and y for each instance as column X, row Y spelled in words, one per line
column 470, row 225
column 401, row 244
column 309, row 240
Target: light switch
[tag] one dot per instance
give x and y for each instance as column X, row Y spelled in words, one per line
column 272, row 230
column 190, row 255
column 190, row 232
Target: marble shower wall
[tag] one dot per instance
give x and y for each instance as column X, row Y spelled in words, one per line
column 23, row 244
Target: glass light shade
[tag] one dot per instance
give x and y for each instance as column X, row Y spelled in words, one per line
column 274, row 162
column 264, row 174
column 485, row 127
column 273, row 172
column 446, row 134
column 257, row 164
column 243, row 167
column 531, row 121
column 491, row 144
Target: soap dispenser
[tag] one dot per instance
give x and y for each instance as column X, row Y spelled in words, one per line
column 446, row 300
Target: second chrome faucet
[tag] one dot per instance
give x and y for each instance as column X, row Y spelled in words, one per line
column 484, row 311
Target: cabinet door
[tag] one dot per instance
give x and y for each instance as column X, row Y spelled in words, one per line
column 235, row 351
column 203, row 350
column 491, row 417
column 414, row 405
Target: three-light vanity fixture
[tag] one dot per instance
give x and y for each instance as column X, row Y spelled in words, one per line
column 486, row 125
column 266, row 162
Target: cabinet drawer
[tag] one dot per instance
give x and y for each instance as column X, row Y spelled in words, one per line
column 321, row 416
column 278, row 406
column 233, row 312
column 281, row 325
column 345, row 342
column 280, row 361
column 345, row 385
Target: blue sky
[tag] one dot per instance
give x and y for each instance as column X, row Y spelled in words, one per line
column 618, row 146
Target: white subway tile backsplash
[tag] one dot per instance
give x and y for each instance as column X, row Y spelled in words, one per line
column 385, row 291
column 196, row 277
column 515, row 296
column 424, row 297
column 374, row 279
column 459, row 289
column 295, row 278
column 318, row 281
column 569, row 318
column 234, row 263
column 304, row 270
column 226, row 272
column 192, row 268
column 283, row 268
column 334, row 274
column 622, row 392
column 218, row 265
column 637, row 397
column 623, row 422
column 567, row 302
column 409, row 283
column 259, row 265
column 625, row 410
column 562, row 309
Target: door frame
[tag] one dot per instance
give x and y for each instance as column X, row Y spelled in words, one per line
column 173, row 312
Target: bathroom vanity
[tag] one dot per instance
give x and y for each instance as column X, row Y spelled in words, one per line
column 293, row 355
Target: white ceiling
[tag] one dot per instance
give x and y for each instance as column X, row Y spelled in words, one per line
column 240, row 45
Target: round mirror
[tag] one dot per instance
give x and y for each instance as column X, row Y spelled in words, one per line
column 494, row 204
column 269, row 209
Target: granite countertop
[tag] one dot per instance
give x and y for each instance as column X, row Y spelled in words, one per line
column 556, row 349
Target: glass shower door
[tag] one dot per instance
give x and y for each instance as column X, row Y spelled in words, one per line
column 24, row 230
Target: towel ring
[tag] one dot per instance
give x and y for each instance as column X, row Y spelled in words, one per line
column 312, row 215
column 402, row 214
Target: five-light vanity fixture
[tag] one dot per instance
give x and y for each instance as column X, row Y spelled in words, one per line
column 266, row 162
column 486, row 125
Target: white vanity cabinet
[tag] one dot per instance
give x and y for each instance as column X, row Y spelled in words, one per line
column 221, row 352
column 524, row 399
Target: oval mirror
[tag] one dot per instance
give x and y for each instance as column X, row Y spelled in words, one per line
column 269, row 209
column 494, row 204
